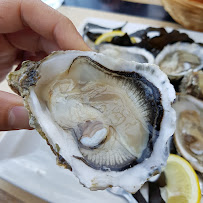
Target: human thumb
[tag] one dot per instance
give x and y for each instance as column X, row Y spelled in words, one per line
column 13, row 114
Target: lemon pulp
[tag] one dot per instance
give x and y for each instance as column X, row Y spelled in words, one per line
column 182, row 181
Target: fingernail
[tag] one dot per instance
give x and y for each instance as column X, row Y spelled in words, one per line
column 18, row 118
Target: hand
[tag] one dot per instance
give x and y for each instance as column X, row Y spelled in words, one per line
column 29, row 29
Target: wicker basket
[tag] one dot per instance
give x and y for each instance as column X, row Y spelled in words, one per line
column 189, row 13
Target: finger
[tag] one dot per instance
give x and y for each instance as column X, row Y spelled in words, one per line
column 3, row 73
column 7, row 51
column 34, row 56
column 8, row 56
column 28, row 40
column 42, row 19
column 12, row 113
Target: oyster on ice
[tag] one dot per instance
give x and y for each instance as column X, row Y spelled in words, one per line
column 107, row 120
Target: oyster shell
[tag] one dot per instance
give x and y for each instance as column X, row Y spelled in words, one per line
column 111, row 127
column 192, row 84
column 189, row 130
column 128, row 53
column 178, row 59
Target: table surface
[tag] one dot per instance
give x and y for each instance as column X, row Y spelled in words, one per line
column 10, row 193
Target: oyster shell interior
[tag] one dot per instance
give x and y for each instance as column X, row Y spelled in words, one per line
column 108, row 113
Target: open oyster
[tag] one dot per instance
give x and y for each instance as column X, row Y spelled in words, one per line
column 108, row 120
column 189, row 130
column 178, row 59
column 128, row 53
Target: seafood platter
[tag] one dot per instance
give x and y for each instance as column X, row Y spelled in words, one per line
column 114, row 115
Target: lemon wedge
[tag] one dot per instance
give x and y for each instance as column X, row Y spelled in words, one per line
column 107, row 37
column 182, row 181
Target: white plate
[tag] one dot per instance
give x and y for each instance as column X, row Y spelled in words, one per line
column 27, row 162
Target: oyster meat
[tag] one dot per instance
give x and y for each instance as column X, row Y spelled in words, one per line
column 189, row 130
column 192, row 84
column 178, row 59
column 107, row 120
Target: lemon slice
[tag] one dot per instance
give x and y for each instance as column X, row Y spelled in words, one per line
column 182, row 181
column 107, row 37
